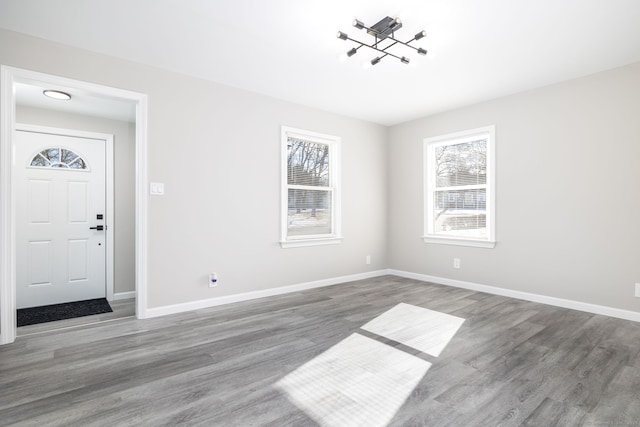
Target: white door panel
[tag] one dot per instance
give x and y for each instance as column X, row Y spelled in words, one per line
column 39, row 201
column 78, row 260
column 59, row 258
column 40, row 263
column 78, row 202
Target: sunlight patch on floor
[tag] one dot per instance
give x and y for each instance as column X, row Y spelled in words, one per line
column 416, row 327
column 357, row 382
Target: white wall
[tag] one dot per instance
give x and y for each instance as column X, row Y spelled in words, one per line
column 124, row 180
column 217, row 150
column 568, row 192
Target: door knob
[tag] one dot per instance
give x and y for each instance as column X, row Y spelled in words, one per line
column 97, row 227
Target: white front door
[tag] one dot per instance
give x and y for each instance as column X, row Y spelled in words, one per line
column 60, row 208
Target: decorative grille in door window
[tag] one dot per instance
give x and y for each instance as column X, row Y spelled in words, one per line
column 56, row 157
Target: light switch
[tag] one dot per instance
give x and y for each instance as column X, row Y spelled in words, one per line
column 156, row 188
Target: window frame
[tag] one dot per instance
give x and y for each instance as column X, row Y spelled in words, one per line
column 334, row 143
column 429, row 145
column 66, row 167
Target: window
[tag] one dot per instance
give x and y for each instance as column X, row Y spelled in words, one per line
column 56, row 157
column 460, row 188
column 310, row 188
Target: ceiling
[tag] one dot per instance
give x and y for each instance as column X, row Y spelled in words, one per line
column 288, row 49
column 30, row 95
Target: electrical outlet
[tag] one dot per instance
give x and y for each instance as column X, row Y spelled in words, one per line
column 638, row 290
column 213, row 280
column 368, row 259
column 456, row 263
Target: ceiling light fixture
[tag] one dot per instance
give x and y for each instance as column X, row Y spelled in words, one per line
column 56, row 94
column 383, row 30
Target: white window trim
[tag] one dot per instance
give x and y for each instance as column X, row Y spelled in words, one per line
column 335, row 175
column 429, row 143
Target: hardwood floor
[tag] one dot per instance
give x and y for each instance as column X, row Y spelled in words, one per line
column 510, row 363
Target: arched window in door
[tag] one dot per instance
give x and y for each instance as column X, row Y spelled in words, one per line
column 57, row 157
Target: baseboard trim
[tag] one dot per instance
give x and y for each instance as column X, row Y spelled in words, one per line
column 124, row 295
column 230, row 299
column 543, row 299
column 558, row 302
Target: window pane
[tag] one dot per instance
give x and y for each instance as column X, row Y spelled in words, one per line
column 51, row 154
column 307, row 163
column 78, row 164
column 460, row 213
column 309, row 212
column 60, row 158
column 461, row 164
column 67, row 156
column 40, row 161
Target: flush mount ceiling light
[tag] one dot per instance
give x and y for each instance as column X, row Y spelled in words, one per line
column 383, row 30
column 56, row 94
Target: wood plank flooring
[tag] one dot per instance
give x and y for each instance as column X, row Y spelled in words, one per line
column 511, row 363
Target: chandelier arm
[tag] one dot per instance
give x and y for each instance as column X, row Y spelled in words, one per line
column 392, row 44
column 367, row 29
column 385, row 53
column 375, row 48
column 364, row 27
column 404, row 43
column 356, row 41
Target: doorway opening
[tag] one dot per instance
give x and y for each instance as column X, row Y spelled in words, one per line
column 64, row 182
column 21, row 101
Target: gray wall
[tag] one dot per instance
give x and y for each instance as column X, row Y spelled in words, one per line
column 567, row 180
column 123, row 177
column 217, row 150
column 568, row 192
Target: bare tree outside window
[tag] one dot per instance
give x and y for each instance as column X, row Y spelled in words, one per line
column 460, row 188
column 309, row 194
column 307, row 163
column 461, row 164
column 60, row 158
column 310, row 188
column 459, row 205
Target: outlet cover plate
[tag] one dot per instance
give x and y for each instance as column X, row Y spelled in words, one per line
column 213, row 280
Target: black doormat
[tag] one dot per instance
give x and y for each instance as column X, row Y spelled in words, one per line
column 68, row 310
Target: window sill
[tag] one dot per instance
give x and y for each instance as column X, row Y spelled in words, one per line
column 310, row 242
column 460, row 242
